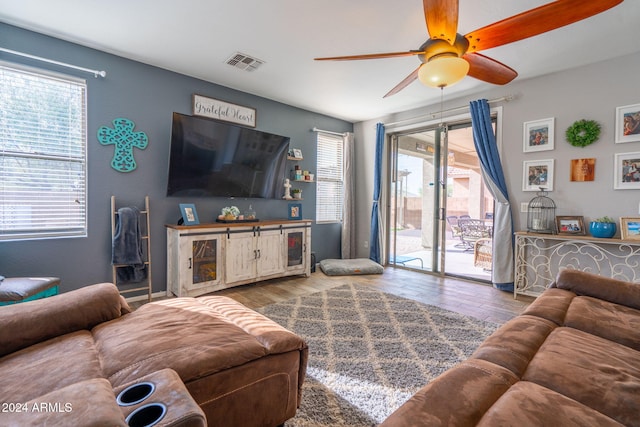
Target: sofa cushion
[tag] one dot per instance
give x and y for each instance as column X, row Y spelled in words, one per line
column 184, row 334
column 593, row 371
column 47, row 366
column 605, row 319
column 528, row 404
column 551, row 305
column 514, row 344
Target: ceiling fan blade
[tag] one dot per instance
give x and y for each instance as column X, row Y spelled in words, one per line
column 370, row 56
column 441, row 17
column 489, row 70
column 404, row 83
column 535, row 21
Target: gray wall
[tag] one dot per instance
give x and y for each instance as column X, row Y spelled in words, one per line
column 148, row 96
column 591, row 92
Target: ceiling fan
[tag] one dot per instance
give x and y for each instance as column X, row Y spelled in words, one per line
column 448, row 56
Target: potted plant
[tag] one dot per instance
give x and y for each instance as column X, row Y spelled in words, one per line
column 297, row 193
column 603, row 227
column 230, row 212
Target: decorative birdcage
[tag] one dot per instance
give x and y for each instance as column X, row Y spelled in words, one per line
column 541, row 214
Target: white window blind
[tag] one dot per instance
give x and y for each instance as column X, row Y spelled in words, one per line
column 42, row 155
column 330, row 178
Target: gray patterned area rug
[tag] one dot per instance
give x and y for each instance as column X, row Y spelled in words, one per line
column 370, row 351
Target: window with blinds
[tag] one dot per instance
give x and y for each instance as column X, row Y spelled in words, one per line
column 43, row 164
column 330, row 178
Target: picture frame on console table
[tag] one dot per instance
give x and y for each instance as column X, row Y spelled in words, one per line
column 570, row 225
column 626, row 171
column 628, row 123
column 294, row 211
column 189, row 214
column 630, row 228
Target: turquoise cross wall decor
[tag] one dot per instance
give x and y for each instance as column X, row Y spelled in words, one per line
column 125, row 140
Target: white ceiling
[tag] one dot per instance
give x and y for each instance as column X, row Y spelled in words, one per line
column 196, row 37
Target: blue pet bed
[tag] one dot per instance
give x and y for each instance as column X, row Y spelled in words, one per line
column 347, row 267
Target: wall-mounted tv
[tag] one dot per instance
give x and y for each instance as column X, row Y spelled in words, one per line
column 209, row 158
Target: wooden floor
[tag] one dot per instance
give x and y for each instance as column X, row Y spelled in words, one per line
column 474, row 299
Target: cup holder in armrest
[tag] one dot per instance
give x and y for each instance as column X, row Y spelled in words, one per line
column 147, row 415
column 135, row 394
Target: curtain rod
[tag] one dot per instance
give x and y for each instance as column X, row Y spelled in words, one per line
column 96, row 73
column 450, row 110
column 328, row 131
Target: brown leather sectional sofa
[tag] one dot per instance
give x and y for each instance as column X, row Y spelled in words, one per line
column 84, row 359
column 571, row 359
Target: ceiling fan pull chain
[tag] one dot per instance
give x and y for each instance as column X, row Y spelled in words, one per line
column 441, row 104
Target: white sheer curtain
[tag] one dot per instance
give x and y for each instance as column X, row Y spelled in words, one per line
column 348, row 208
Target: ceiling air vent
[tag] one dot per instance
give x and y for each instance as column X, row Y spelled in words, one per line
column 244, row 62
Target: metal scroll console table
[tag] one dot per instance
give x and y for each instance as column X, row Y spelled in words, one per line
column 539, row 258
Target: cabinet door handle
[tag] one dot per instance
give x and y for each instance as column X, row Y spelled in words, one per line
column 258, row 253
column 189, row 263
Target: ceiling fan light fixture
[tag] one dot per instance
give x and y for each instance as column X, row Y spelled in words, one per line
column 443, row 71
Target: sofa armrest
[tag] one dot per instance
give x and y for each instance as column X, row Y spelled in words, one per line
column 28, row 323
column 84, row 404
column 604, row 288
column 458, row 397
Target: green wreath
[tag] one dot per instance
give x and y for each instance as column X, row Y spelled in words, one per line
column 583, row 132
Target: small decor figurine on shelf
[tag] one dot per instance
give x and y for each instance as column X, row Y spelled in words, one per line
column 603, row 227
column 287, row 189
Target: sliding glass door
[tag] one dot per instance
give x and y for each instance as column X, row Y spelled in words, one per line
column 439, row 206
column 417, row 187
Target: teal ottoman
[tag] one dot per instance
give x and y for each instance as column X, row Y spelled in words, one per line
column 19, row 289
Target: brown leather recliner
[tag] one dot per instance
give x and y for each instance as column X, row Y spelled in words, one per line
column 207, row 356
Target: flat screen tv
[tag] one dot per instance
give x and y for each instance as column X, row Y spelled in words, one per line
column 209, row 158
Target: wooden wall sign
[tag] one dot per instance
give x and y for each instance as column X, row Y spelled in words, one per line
column 221, row 110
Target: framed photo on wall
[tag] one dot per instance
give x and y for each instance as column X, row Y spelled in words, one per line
column 626, row 171
column 570, row 225
column 295, row 211
column 189, row 214
column 630, row 228
column 628, row 123
column 537, row 174
column 538, row 135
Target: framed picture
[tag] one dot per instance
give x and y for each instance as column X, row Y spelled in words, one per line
column 570, row 225
column 630, row 228
column 583, row 170
column 295, row 211
column 537, row 174
column 626, row 171
column 189, row 214
column 225, row 111
column 628, row 123
column 297, row 153
column 538, row 135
